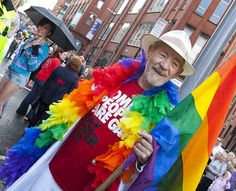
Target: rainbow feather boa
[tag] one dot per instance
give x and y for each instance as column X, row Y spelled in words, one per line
column 146, row 111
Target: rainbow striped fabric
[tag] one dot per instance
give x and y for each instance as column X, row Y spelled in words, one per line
column 188, row 133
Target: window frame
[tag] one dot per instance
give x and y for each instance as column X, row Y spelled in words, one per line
column 121, row 6
column 138, row 34
column 158, row 8
column 131, row 11
column 199, row 7
column 99, row 8
column 118, row 31
column 211, row 19
column 107, row 30
column 93, row 19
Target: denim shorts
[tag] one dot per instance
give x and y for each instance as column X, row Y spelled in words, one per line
column 16, row 78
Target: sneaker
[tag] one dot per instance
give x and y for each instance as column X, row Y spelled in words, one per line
column 26, row 118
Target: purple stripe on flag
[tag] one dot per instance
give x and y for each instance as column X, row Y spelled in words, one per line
column 145, row 178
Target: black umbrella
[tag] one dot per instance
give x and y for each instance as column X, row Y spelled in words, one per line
column 62, row 36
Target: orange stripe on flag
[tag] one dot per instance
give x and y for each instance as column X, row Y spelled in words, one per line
column 195, row 156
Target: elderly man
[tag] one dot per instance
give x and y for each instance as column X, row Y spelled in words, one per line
column 163, row 59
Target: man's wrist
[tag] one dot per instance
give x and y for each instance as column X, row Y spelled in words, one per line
column 139, row 166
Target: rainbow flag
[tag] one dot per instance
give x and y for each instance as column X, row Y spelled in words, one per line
column 188, row 133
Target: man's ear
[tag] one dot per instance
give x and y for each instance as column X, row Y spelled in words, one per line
column 180, row 71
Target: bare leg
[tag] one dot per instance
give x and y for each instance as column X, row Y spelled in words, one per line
column 7, row 89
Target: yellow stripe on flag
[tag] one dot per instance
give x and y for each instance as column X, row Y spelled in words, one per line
column 204, row 94
column 195, row 157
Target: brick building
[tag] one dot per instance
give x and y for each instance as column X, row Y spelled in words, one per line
column 228, row 134
column 61, row 7
column 120, row 24
column 112, row 29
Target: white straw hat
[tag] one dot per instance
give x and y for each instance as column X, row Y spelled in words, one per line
column 178, row 40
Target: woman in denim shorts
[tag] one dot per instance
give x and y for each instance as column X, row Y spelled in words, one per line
column 28, row 58
column 16, row 78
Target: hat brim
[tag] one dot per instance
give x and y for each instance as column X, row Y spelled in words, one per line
column 149, row 39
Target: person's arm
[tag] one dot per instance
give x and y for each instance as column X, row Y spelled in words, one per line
column 52, row 76
column 14, row 26
column 143, row 151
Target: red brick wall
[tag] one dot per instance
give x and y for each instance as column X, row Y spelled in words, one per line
column 59, row 6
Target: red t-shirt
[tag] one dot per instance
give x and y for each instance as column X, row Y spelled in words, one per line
column 91, row 137
column 47, row 68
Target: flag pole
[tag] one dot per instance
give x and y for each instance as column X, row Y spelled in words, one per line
column 115, row 174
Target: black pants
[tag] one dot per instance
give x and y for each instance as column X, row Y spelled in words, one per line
column 12, row 49
column 31, row 96
column 39, row 115
column 204, row 184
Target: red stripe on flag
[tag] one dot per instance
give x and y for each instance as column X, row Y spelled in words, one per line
column 221, row 101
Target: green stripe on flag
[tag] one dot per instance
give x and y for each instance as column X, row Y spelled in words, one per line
column 186, row 119
column 173, row 179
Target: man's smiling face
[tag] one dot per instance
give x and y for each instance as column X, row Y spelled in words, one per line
column 163, row 64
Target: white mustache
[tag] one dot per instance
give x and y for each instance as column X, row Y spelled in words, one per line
column 161, row 73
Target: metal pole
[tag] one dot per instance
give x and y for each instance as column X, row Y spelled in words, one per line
column 208, row 57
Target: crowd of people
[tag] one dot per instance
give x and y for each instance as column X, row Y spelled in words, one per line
column 33, row 66
column 220, row 173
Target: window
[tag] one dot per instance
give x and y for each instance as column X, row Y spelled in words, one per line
column 106, row 31
column 121, row 6
column 100, row 4
column 184, row 4
column 201, row 9
column 90, row 20
column 137, row 6
column 189, row 30
column 157, row 5
column 76, row 18
column 143, row 28
column 199, row 44
column 121, row 32
column 219, row 11
column 91, row 55
column 65, row 6
column 104, row 59
column 61, row 14
column 159, row 27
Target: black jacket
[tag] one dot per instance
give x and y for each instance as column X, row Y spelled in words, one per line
column 61, row 81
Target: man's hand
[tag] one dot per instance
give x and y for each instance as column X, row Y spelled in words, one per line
column 143, row 148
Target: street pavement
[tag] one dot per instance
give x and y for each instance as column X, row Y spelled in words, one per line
column 11, row 125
